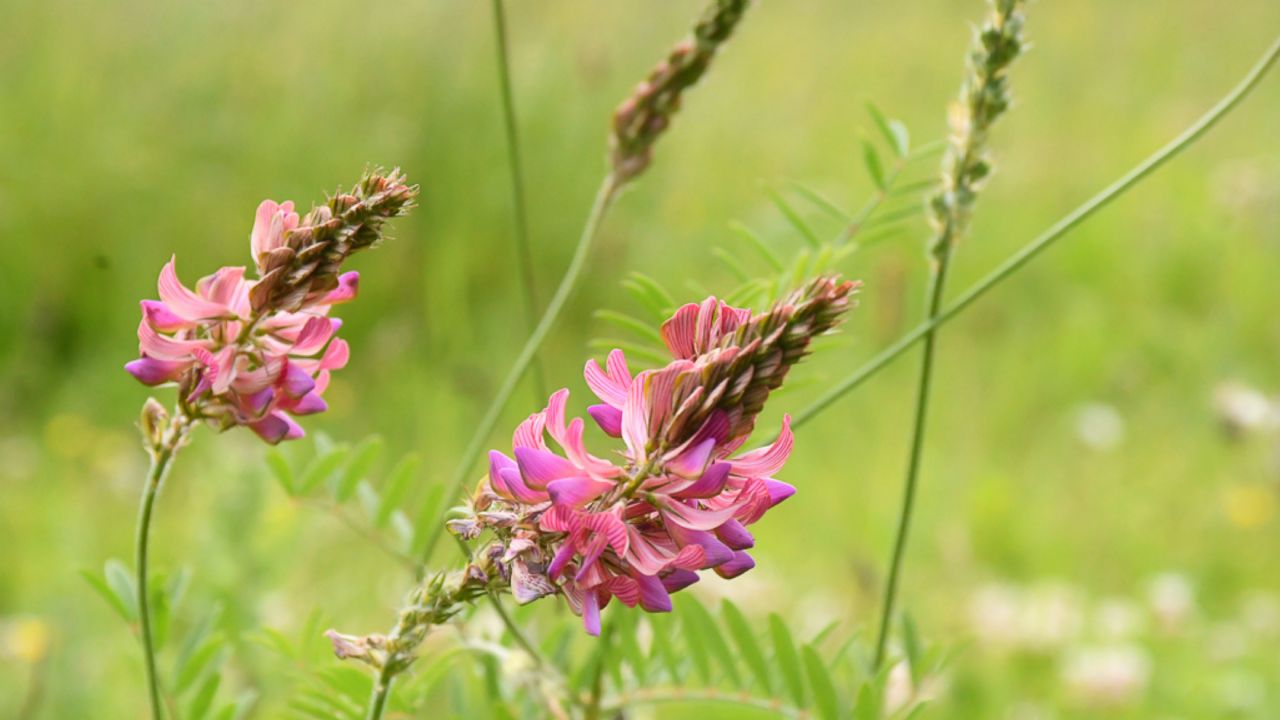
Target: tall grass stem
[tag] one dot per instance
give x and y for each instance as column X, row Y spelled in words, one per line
column 524, row 249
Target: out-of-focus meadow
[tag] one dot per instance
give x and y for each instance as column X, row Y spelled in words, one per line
column 1089, row 541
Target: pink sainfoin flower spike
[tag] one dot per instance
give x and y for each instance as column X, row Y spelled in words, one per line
column 682, row 496
column 258, row 352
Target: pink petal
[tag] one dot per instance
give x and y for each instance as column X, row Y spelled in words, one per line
column 159, row 316
column 576, row 491
column 223, row 287
column 315, row 333
column 635, row 419
column 336, row 355
column 690, row 557
column 576, row 450
column 348, row 287
column 778, row 491
column 540, row 467
column 623, row 588
column 563, row 554
column 609, row 385
column 694, row 518
column 181, row 301
column 767, row 460
column 151, row 371
column 611, row 527
column 163, row 347
column 678, row 331
column 519, row 490
column 528, row 434
column 609, row 419
column 497, row 463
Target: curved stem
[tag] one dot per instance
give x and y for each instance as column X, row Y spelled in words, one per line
column 937, row 285
column 524, row 252
column 1049, row 236
column 161, row 459
column 381, row 689
column 604, row 198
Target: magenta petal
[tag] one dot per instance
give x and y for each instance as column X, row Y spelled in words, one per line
column 348, row 286
column 512, row 479
column 679, row 579
column 159, row 316
column 310, row 404
column 256, row 403
column 591, row 612
column 692, row 461
column 733, row 534
column 778, row 491
column 497, row 463
column 151, row 371
column 563, row 554
column 296, row 381
column 717, row 552
column 609, row 419
column 653, row 596
column 576, row 491
column 740, row 563
column 277, row 427
column 710, row 484
column 540, row 467
column 695, row 518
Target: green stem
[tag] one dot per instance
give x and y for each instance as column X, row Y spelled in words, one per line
column 524, row 252
column 604, row 198
column 1048, row 237
column 937, row 286
column 161, row 459
column 381, row 689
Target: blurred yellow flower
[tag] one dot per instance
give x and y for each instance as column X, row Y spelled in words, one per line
column 1248, row 506
column 26, row 639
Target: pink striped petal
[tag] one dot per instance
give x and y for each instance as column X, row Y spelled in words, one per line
column 528, row 434
column 690, row 557
column 623, row 588
column 716, row 552
column 609, row 384
column 163, row 347
column 563, row 554
column 315, row 333
column 336, row 355
column 646, row 557
column 635, row 419
column 611, row 527
column 223, row 287
column 695, row 518
column 767, row 460
column 678, row 331
column 576, row 450
column 183, row 302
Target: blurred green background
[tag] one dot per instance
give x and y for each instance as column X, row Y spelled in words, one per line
column 1088, row 541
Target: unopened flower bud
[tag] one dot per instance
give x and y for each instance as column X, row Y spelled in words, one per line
column 154, row 421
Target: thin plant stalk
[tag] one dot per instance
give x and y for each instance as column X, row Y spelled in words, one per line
column 524, row 250
column 381, row 689
column 983, row 99
column 1047, row 238
column 603, row 200
column 162, row 456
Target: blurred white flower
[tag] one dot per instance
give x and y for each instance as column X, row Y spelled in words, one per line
column 1243, row 409
column 1172, row 600
column 1115, row 674
column 898, row 689
column 1119, row 619
column 994, row 611
column 1051, row 616
column 1260, row 612
column 1100, row 426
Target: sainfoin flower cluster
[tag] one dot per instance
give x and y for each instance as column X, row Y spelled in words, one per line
column 258, row 352
column 679, row 496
